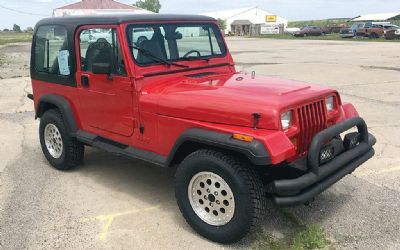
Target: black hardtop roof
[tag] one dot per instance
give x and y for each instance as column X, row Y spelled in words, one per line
column 110, row 19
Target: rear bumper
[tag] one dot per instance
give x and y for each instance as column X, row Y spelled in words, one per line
column 319, row 177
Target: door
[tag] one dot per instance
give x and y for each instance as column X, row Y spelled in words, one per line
column 106, row 92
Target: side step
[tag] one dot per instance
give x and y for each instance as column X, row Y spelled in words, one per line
column 120, row 149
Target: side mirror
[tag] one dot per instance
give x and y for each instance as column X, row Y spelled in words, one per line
column 101, row 68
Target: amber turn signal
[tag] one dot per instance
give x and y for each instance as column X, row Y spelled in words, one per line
column 241, row 137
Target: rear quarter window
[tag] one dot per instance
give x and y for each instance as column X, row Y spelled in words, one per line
column 51, row 50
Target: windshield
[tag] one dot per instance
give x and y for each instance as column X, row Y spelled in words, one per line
column 152, row 43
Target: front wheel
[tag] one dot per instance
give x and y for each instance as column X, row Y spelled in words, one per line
column 220, row 196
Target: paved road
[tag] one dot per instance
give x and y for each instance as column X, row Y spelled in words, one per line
column 116, row 203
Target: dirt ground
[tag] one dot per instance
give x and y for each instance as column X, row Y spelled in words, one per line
column 115, row 203
column 14, row 60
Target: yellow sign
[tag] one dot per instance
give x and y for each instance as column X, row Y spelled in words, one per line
column 270, row 19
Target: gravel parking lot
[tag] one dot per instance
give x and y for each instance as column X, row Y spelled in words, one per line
column 116, row 203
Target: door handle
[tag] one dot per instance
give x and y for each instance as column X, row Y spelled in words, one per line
column 85, row 81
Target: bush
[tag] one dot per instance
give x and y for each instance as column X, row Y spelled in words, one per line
column 17, row 28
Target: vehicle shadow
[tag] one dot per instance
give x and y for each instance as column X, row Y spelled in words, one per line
column 151, row 185
column 143, row 181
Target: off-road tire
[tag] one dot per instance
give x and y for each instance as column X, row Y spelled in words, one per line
column 246, row 186
column 73, row 150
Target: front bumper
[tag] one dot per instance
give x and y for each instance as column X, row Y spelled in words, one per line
column 319, row 177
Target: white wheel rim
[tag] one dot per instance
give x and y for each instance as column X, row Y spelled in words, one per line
column 53, row 140
column 211, row 198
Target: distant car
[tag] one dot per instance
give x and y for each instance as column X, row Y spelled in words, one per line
column 349, row 32
column 309, row 31
column 370, row 30
column 391, row 32
column 291, row 31
column 140, row 35
column 346, row 33
column 94, row 35
column 334, row 28
column 390, row 26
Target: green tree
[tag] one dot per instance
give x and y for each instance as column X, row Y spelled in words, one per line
column 222, row 24
column 16, row 28
column 151, row 5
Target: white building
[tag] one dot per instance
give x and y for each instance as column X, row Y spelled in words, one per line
column 249, row 21
column 98, row 7
column 377, row 17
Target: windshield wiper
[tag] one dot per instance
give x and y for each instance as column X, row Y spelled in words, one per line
column 156, row 58
column 193, row 58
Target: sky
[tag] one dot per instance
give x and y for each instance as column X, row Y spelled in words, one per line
column 27, row 12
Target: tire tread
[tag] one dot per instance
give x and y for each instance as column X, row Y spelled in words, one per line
column 74, row 150
column 251, row 179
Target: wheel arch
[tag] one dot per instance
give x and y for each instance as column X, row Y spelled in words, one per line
column 195, row 139
column 53, row 101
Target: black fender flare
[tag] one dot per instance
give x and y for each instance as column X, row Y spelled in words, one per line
column 63, row 105
column 255, row 151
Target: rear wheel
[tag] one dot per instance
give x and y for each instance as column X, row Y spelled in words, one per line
column 373, row 35
column 220, row 196
column 61, row 151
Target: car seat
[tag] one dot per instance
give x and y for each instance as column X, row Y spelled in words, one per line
column 98, row 52
column 154, row 46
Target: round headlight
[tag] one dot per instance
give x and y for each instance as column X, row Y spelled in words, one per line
column 330, row 103
column 286, row 120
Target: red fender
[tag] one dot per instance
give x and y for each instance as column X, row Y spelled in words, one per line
column 349, row 110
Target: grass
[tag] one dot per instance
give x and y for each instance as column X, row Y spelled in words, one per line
column 327, row 22
column 320, row 23
column 304, row 237
column 312, row 237
column 13, row 37
column 328, row 37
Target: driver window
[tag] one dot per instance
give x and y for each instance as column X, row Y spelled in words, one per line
column 191, row 36
column 101, row 46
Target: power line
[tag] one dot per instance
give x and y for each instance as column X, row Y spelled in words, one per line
column 22, row 12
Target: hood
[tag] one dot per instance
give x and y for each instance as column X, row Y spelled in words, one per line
column 229, row 99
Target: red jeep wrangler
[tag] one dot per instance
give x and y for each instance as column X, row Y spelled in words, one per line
column 164, row 89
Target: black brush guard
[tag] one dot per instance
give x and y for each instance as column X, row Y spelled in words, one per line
column 319, row 177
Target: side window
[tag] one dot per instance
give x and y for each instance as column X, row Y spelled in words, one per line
column 51, row 50
column 216, row 44
column 101, row 46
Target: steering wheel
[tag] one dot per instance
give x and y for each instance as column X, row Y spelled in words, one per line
column 191, row 52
